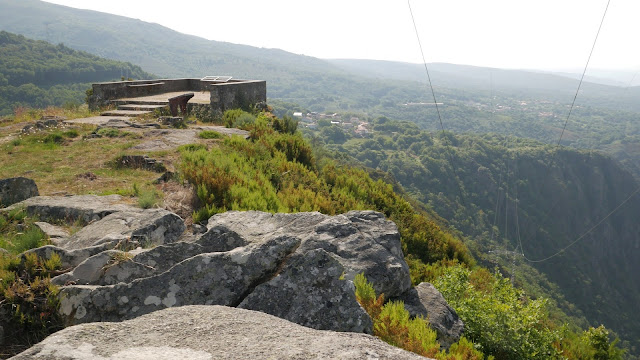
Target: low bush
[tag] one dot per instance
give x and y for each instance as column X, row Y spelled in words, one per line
column 210, row 134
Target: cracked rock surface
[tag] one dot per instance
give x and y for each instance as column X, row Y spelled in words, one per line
column 130, row 263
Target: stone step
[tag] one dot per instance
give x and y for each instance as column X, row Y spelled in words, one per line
column 129, row 113
column 139, row 102
column 140, row 107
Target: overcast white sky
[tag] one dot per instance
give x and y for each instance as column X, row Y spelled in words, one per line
column 531, row 34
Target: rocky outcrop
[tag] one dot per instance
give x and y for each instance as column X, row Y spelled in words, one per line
column 14, row 190
column 128, row 262
column 207, row 333
column 362, row 241
column 295, row 266
column 426, row 301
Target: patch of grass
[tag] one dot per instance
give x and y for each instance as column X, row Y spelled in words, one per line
column 210, row 134
column 55, row 167
column 18, row 232
column 147, row 198
column 109, row 132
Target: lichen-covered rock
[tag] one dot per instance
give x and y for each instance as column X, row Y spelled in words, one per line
column 311, row 292
column 426, row 301
column 362, row 241
column 208, row 333
column 15, row 190
column 142, row 227
column 223, row 278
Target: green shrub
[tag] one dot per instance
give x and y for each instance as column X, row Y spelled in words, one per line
column 230, row 117
column 72, row 133
column 286, row 125
column 210, row 134
column 497, row 316
column 192, row 147
column 53, row 138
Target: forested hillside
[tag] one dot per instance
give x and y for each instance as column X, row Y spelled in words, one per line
column 39, row 74
column 512, row 195
column 520, row 103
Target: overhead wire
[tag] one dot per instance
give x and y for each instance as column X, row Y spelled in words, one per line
column 583, row 73
column 558, row 146
column 445, row 138
column 587, row 232
column 520, row 246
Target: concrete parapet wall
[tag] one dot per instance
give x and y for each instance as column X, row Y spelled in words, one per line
column 224, row 95
column 240, row 94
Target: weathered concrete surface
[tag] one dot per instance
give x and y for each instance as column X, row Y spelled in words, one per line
column 208, row 333
column 15, row 190
column 310, row 292
column 362, row 241
column 426, row 301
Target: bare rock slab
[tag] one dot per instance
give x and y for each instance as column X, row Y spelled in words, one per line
column 146, row 227
column 208, row 333
column 426, row 301
column 210, row 279
column 86, row 208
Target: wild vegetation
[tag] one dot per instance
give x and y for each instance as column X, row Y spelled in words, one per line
column 277, row 170
column 28, row 302
column 507, row 194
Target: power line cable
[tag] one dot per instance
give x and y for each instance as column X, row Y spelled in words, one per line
column 448, row 145
column 562, row 134
column 586, row 233
column 583, row 73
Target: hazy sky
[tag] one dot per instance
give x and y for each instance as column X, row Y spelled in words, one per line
column 533, row 34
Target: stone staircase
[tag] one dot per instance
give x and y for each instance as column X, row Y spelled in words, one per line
column 135, row 108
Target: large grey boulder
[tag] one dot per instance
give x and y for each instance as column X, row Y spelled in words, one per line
column 362, row 241
column 142, row 227
column 426, row 301
column 15, row 190
column 208, row 333
column 310, row 292
column 223, row 278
